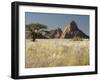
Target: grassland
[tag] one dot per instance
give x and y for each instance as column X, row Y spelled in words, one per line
column 56, row 52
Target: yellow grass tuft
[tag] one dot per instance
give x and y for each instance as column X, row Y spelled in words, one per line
column 56, row 52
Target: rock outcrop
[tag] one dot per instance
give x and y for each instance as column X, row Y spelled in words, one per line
column 56, row 33
column 72, row 30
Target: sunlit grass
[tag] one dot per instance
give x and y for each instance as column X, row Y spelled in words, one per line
column 56, row 52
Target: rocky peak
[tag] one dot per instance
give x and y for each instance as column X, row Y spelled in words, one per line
column 73, row 26
column 56, row 33
column 72, row 30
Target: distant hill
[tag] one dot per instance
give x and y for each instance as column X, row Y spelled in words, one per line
column 72, row 30
column 56, row 33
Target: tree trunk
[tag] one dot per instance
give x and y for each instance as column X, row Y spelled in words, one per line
column 33, row 36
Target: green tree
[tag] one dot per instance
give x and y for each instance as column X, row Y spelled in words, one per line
column 36, row 29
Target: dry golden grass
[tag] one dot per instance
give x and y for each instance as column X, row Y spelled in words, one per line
column 56, row 52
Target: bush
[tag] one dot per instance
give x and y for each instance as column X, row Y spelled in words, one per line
column 77, row 39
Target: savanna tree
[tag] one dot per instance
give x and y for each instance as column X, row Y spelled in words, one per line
column 36, row 29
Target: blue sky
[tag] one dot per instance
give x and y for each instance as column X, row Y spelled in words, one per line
column 58, row 20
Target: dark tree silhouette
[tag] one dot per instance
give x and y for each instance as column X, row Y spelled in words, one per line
column 36, row 29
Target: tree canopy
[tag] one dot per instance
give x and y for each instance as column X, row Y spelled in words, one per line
column 36, row 29
column 37, row 26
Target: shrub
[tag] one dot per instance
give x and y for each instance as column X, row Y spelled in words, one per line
column 77, row 39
